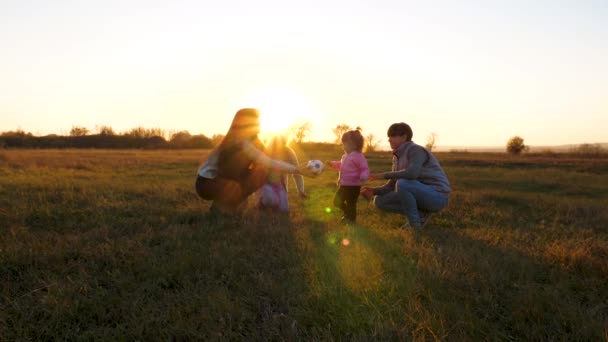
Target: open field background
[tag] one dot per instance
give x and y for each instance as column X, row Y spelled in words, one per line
column 115, row 245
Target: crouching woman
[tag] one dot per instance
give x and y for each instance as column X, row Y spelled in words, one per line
column 238, row 167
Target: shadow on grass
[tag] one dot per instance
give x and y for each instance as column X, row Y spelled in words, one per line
column 481, row 291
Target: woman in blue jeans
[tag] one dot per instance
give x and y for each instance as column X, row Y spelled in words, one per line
column 417, row 185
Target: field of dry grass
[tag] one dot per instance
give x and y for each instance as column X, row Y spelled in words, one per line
column 115, row 245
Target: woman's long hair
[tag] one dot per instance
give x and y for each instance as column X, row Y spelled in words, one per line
column 233, row 162
column 245, row 126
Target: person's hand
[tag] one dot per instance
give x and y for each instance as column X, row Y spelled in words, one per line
column 375, row 176
column 367, row 192
column 303, row 195
column 328, row 162
column 304, row 171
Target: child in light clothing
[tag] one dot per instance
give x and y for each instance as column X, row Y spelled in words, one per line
column 353, row 171
column 273, row 194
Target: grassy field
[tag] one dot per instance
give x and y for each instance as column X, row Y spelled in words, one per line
column 115, row 245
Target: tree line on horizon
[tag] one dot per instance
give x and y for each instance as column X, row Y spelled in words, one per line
column 106, row 137
column 151, row 138
column 157, row 138
column 139, row 138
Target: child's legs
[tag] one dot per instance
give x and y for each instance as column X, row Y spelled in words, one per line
column 351, row 194
column 339, row 198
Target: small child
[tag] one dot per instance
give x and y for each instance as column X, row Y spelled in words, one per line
column 273, row 194
column 353, row 172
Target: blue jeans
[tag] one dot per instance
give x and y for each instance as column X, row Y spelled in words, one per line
column 410, row 196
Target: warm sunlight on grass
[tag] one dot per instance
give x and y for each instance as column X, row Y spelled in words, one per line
column 108, row 244
column 361, row 269
column 281, row 107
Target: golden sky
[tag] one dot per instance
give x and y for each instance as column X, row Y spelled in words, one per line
column 473, row 72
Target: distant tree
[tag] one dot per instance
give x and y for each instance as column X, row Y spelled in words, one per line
column 301, row 131
column 141, row 132
column 200, row 141
column 16, row 133
column 78, row 131
column 180, row 138
column 105, row 130
column 431, row 140
column 137, row 132
column 515, row 145
column 589, row 149
column 339, row 130
column 371, row 142
column 155, row 132
column 216, row 139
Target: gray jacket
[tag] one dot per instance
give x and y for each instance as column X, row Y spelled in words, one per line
column 412, row 161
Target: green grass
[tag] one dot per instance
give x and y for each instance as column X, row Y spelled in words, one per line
column 115, row 245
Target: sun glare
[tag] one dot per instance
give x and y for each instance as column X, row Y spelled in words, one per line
column 281, row 108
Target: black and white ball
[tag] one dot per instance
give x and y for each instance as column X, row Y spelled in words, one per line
column 315, row 166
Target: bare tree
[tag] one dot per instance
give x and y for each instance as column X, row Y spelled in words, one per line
column 105, row 130
column 156, row 132
column 371, row 142
column 78, row 131
column 431, row 140
column 301, row 131
column 339, row 130
column 141, row 132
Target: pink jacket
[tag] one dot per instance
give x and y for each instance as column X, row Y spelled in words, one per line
column 353, row 169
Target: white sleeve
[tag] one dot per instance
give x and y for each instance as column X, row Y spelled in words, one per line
column 209, row 168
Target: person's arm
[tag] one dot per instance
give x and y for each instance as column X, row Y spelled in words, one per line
column 334, row 164
column 363, row 169
column 260, row 158
column 389, row 186
column 416, row 158
column 297, row 178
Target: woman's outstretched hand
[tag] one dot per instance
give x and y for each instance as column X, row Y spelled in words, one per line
column 375, row 176
column 304, row 171
column 367, row 192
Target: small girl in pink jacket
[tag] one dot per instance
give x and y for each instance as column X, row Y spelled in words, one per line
column 353, row 172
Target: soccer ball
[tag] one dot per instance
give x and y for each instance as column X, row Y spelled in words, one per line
column 315, row 166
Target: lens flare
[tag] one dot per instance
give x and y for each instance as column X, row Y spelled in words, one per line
column 328, row 210
column 345, row 242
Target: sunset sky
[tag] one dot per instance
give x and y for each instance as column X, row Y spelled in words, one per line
column 474, row 72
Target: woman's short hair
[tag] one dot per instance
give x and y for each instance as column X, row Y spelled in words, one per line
column 400, row 129
column 355, row 137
